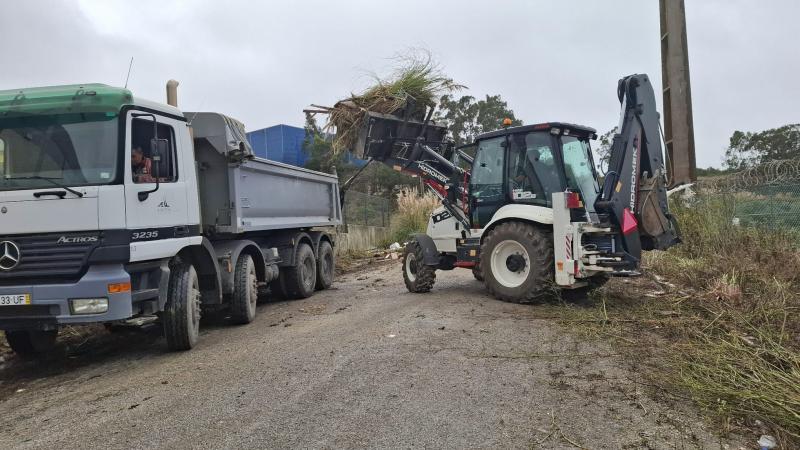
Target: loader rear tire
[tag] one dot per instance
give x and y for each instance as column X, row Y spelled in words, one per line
column 476, row 272
column 418, row 277
column 181, row 316
column 245, row 291
column 298, row 281
column 517, row 262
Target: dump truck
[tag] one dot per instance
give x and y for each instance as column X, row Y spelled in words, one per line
column 115, row 209
column 524, row 207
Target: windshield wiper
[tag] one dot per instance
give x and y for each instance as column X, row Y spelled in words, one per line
column 49, row 179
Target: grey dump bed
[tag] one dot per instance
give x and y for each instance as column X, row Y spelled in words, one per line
column 241, row 193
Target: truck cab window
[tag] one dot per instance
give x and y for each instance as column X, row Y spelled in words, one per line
column 2, row 157
column 144, row 167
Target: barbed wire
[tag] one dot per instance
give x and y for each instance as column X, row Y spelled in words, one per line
column 767, row 174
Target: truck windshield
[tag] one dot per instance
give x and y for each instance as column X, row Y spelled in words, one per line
column 71, row 149
column 579, row 170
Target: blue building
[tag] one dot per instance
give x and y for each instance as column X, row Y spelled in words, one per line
column 282, row 143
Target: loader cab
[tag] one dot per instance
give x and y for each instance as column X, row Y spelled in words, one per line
column 527, row 164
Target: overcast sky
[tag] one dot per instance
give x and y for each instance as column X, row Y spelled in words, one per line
column 263, row 62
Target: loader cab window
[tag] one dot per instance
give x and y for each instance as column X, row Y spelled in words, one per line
column 144, row 167
column 486, row 181
column 579, row 169
column 533, row 169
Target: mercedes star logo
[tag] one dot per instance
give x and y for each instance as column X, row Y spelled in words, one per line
column 9, row 255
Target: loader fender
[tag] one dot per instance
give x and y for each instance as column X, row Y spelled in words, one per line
column 528, row 213
column 430, row 256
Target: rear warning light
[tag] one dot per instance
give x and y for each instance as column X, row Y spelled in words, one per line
column 629, row 224
column 574, row 200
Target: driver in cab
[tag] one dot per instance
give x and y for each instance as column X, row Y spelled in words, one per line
column 141, row 166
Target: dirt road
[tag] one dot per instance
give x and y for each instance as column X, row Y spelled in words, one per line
column 365, row 364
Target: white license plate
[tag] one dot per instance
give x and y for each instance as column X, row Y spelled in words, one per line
column 15, row 299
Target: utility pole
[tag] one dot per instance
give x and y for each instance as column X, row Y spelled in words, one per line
column 677, row 91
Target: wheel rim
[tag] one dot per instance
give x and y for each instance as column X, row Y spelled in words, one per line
column 252, row 287
column 193, row 299
column 307, row 272
column 411, row 267
column 510, row 263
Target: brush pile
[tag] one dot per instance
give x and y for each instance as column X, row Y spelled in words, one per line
column 416, row 78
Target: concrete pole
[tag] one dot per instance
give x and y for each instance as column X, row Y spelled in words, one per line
column 678, row 122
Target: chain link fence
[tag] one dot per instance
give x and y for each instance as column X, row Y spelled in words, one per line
column 767, row 195
column 365, row 209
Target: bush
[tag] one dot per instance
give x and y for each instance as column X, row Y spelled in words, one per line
column 412, row 214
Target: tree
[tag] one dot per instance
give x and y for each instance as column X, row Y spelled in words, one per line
column 466, row 118
column 602, row 154
column 747, row 149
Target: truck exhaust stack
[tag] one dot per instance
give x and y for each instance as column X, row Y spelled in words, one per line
column 172, row 93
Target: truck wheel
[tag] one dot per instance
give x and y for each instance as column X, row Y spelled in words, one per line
column 517, row 262
column 31, row 342
column 418, row 277
column 326, row 265
column 181, row 316
column 245, row 291
column 299, row 280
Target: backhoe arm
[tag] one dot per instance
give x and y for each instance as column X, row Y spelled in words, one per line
column 634, row 194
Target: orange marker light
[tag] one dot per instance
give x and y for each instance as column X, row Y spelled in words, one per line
column 119, row 288
column 507, row 122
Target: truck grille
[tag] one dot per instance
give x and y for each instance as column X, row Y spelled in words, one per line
column 46, row 257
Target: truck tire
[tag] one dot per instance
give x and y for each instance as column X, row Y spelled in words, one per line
column 299, row 280
column 417, row 276
column 245, row 291
column 181, row 316
column 517, row 262
column 326, row 265
column 31, row 342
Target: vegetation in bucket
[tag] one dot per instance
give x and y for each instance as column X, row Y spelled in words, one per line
column 417, row 77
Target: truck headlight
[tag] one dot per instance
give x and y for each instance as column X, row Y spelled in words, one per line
column 88, row 305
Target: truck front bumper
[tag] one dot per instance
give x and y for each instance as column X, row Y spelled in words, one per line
column 50, row 303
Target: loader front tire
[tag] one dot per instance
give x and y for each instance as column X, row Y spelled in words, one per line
column 517, row 262
column 418, row 277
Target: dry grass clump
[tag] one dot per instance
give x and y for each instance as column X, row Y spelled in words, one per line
column 718, row 318
column 412, row 214
column 417, row 77
column 743, row 358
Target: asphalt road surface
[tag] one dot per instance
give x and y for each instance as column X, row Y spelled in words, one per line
column 363, row 365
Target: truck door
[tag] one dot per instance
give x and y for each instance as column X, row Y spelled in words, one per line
column 163, row 213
